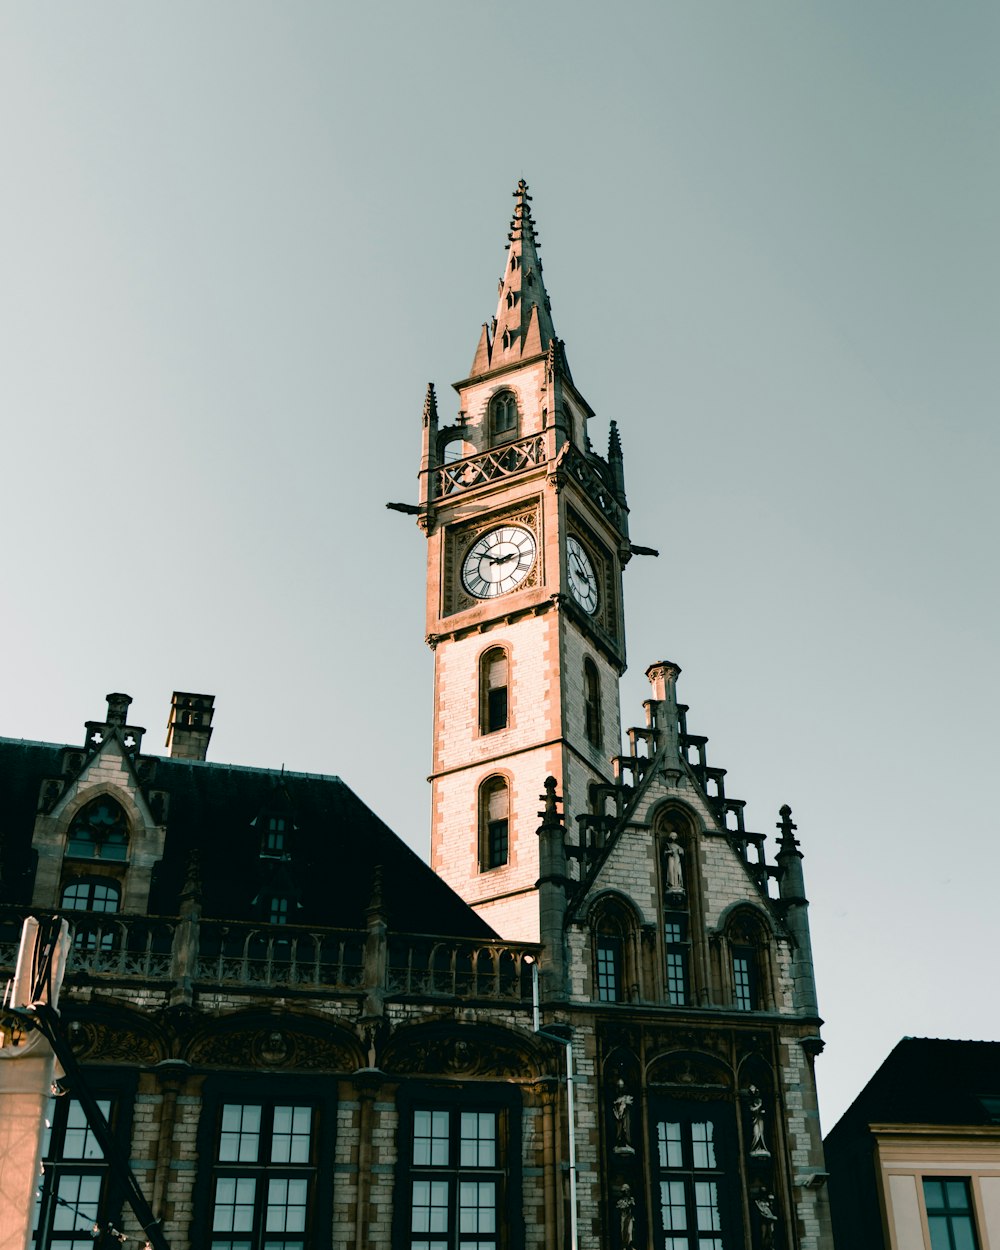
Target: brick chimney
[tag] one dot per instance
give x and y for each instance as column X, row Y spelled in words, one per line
column 190, row 726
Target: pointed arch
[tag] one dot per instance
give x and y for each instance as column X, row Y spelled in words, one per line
column 615, row 962
column 504, row 419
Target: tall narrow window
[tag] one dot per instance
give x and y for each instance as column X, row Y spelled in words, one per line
column 493, row 700
column 457, row 1179
column 274, row 842
column 99, row 831
column 278, row 909
column 950, row 1219
column 592, row 702
column 494, row 827
column 72, row 1194
column 609, row 967
column 744, row 978
column 691, row 1180
column 503, row 417
column 264, row 1176
column 675, row 934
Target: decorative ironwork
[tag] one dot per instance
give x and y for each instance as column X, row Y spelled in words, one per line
column 503, row 461
column 459, row 969
column 596, row 488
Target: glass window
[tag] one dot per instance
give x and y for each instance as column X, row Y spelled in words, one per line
column 493, row 690
column 675, row 941
column 92, row 896
column 609, row 958
column 744, row 978
column 494, row 818
column 275, row 837
column 592, row 702
column 264, row 1176
column 457, row 1182
column 503, row 416
column 950, row 1218
column 99, row 831
column 72, row 1192
column 690, row 1183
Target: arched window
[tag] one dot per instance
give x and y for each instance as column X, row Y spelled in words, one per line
column 503, row 417
column 493, row 701
column 456, row 448
column 747, row 942
column 592, row 702
column 99, row 831
column 92, row 895
column 494, row 823
column 616, row 977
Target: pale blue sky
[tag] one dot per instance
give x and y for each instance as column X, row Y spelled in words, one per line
column 237, row 240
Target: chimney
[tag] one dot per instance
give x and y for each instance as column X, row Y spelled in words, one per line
column 190, row 725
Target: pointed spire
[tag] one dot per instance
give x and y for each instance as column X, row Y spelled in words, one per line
column 430, row 406
column 523, row 323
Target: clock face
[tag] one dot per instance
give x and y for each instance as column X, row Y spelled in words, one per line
column 582, row 578
column 498, row 561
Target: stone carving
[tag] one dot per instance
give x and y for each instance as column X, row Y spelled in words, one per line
column 622, row 1108
column 96, row 1040
column 626, row 1218
column 758, row 1147
column 273, row 1048
column 456, row 1056
column 691, row 1071
column 768, row 1221
column 673, row 855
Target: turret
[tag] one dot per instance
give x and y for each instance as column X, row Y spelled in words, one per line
column 553, row 881
column 792, row 890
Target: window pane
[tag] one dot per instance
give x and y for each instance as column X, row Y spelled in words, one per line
column 239, row 1140
column 430, row 1138
column 290, row 1137
column 478, row 1139
column 78, row 1198
column 234, row 1204
column 429, row 1207
column 477, row 1207
column 741, row 983
column 706, row 1204
column 668, row 1138
column 672, row 1206
column 79, row 1141
column 933, row 1194
column 607, row 972
column 956, row 1195
column 286, row 1205
column 961, row 1227
column 938, row 1225
column 702, row 1145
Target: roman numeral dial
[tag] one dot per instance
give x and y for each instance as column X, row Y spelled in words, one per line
column 498, row 561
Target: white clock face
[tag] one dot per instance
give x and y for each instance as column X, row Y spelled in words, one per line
column 582, row 578
column 498, row 561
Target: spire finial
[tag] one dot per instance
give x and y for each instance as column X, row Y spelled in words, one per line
column 522, row 327
column 430, row 405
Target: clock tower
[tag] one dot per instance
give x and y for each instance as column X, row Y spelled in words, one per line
column 527, row 537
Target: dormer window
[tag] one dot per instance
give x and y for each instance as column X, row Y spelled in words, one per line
column 274, row 841
column 99, row 831
column 278, row 909
column 503, row 413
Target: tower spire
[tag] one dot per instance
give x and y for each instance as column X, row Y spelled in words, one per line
column 522, row 326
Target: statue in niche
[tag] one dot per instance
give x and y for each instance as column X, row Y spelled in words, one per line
column 768, row 1220
column 626, row 1218
column 622, row 1109
column 758, row 1147
column 673, row 856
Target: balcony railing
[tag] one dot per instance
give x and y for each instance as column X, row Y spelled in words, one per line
column 207, row 954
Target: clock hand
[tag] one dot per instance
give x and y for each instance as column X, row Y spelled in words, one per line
column 503, row 559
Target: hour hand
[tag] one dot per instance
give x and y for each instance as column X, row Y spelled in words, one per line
column 503, row 559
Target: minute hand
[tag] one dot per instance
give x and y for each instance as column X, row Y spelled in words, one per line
column 503, row 559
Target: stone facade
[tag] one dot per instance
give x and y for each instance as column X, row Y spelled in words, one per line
column 591, row 1022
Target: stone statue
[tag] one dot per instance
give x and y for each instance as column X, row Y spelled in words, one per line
column 673, row 855
column 626, row 1218
column 622, row 1108
column 767, row 1221
column 758, row 1147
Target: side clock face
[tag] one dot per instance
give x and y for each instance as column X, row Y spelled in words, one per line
column 498, row 561
column 582, row 578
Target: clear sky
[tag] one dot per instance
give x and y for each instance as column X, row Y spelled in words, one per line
column 237, row 240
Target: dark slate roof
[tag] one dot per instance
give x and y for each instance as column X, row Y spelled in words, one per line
column 928, row 1080
column 335, row 845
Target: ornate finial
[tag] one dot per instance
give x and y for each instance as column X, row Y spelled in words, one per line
column 787, row 841
column 614, row 443
column 522, row 224
column 430, row 405
column 550, row 816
